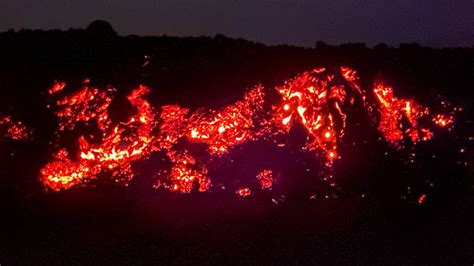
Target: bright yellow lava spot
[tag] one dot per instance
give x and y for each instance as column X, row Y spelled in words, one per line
column 327, row 134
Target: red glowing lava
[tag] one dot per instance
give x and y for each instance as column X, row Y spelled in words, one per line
column 121, row 144
column 185, row 174
column 265, row 178
column 443, row 120
column 12, row 129
column 82, row 106
column 400, row 118
column 421, row 199
column 314, row 99
column 318, row 100
column 228, row 127
column 243, row 192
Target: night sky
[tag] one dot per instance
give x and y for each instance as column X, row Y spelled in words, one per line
column 435, row 23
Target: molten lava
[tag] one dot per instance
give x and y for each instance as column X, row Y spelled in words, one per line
column 121, row 145
column 12, row 129
column 318, row 100
column 243, row 192
column 265, row 178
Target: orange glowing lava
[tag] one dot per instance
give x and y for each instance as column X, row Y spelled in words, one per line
column 265, row 178
column 185, row 174
column 318, row 100
column 400, row 118
column 12, row 129
column 121, row 144
column 443, row 121
column 231, row 126
column 243, row 192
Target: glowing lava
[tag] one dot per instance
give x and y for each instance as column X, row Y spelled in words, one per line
column 228, row 127
column 319, row 100
column 400, row 118
column 12, row 129
column 121, row 144
column 243, row 192
column 265, row 178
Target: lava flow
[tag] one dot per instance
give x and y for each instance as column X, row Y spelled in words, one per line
column 122, row 144
column 12, row 129
column 318, row 100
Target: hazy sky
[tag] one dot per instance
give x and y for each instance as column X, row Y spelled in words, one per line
column 299, row 22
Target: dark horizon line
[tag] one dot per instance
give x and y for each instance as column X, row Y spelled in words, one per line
column 321, row 42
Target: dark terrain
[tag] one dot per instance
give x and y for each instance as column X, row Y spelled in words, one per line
column 371, row 219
